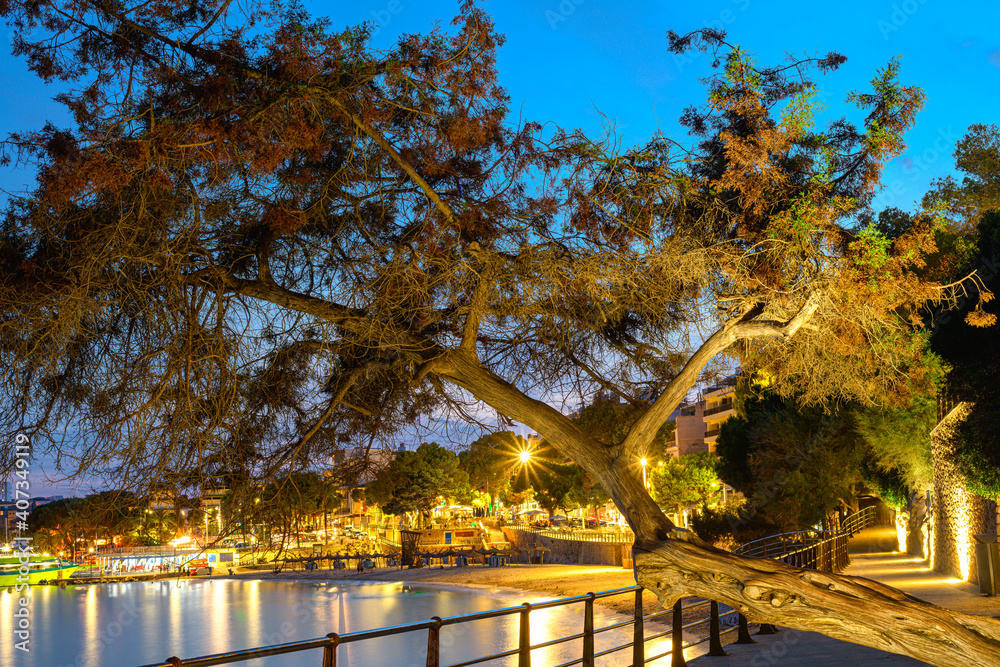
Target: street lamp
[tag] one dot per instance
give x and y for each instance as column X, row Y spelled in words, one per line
column 642, row 462
column 525, row 456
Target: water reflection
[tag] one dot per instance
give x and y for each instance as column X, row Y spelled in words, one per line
column 146, row 622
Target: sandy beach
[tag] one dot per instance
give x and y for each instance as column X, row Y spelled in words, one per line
column 549, row 581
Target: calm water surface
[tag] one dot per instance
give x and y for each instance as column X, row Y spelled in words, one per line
column 138, row 623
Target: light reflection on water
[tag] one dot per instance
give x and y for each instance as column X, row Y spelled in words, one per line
column 145, row 622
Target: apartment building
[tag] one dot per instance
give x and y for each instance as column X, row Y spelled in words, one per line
column 356, row 467
column 698, row 423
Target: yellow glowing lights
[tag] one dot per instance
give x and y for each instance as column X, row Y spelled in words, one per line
column 963, row 534
column 901, row 531
column 525, row 456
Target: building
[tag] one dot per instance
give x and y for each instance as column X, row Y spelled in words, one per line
column 211, row 507
column 356, row 468
column 698, row 423
column 9, row 513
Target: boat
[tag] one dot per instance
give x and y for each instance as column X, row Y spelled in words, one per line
column 40, row 568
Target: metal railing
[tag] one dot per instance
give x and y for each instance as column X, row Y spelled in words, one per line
column 718, row 408
column 711, row 432
column 823, row 550
column 580, row 535
column 155, row 550
column 810, row 549
column 816, row 549
column 331, row 642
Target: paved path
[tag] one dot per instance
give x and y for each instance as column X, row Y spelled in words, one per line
column 872, row 557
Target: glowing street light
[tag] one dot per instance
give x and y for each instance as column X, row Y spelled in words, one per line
column 642, row 462
column 525, row 456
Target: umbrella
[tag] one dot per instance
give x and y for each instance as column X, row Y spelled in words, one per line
column 532, row 512
column 518, row 551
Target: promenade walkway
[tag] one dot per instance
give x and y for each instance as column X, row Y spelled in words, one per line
column 872, row 556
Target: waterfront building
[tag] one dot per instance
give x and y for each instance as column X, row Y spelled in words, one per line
column 698, row 423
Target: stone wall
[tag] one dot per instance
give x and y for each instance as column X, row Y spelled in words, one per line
column 569, row 552
column 957, row 513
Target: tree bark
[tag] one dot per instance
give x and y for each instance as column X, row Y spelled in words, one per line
column 850, row 608
column 674, row 562
column 915, row 522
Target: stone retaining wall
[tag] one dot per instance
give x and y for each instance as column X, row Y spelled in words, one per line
column 569, row 552
column 957, row 513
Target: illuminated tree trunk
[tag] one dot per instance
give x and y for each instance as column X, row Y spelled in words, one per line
column 674, row 562
column 844, row 607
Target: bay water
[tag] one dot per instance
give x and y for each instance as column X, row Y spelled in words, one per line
column 139, row 623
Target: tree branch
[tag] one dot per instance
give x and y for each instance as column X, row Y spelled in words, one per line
column 645, row 428
column 617, row 474
column 853, row 609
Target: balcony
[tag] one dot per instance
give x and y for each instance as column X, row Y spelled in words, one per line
column 719, row 408
column 712, row 433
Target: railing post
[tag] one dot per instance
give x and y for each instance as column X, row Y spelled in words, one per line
column 434, row 642
column 744, row 632
column 588, row 631
column 524, row 645
column 714, row 632
column 677, row 637
column 767, row 629
column 330, row 652
column 638, row 640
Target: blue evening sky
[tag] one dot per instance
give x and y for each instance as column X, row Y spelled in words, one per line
column 571, row 61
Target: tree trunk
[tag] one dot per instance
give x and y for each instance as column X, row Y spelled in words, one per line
column 850, row 608
column 674, row 562
column 916, row 522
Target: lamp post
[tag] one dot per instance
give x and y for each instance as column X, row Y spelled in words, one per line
column 642, row 462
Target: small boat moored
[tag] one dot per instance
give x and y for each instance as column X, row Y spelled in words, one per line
column 40, row 568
